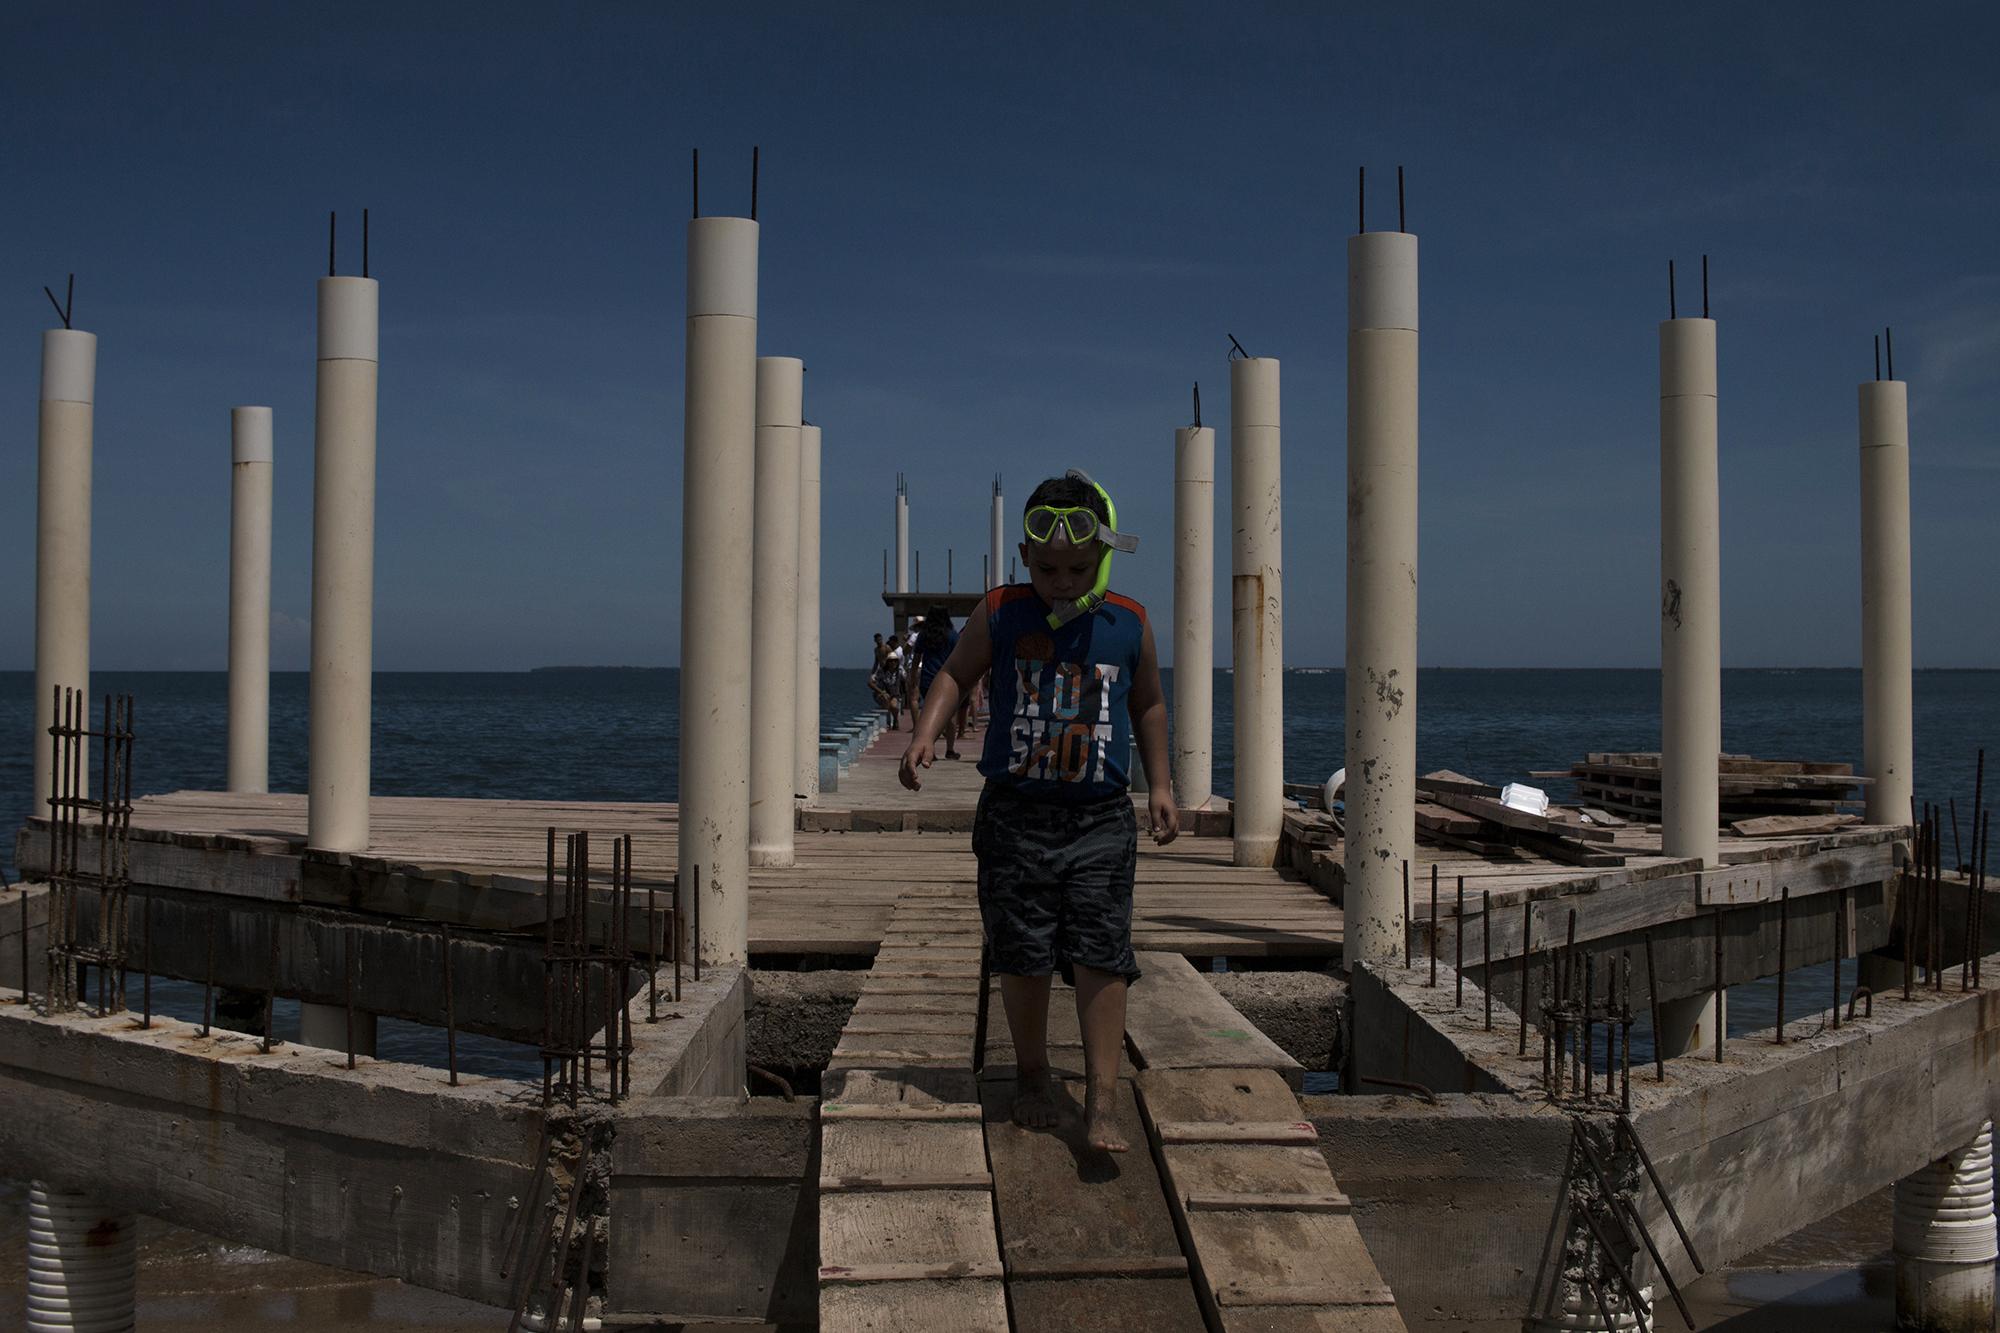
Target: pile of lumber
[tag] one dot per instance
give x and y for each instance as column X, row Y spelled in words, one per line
column 1456, row 811
column 1629, row 784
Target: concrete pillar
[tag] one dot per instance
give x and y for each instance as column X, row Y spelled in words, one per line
column 1687, row 1025
column 774, row 601
column 341, row 689
column 1881, row 972
column 1381, row 744
column 325, row 1026
column 902, row 536
column 997, row 539
column 1194, row 616
column 717, row 515
column 1257, row 603
column 1886, row 733
column 62, row 539
column 1690, row 593
column 250, row 599
column 83, row 1263
column 1944, row 1242
column 806, row 782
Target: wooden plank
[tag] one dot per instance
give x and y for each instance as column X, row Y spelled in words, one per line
column 858, row 1153
column 875, row 1087
column 1222, row 1170
column 1102, row 1305
column 1216, row 1094
column 899, row 1111
column 1065, row 1209
column 1264, row 1203
column 1770, row 826
column 907, row 1235
column 1236, row 1131
column 899, row 1307
column 1175, row 1020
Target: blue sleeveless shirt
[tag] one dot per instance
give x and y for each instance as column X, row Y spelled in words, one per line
column 1060, row 730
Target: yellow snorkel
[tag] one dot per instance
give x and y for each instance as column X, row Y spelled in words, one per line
column 1048, row 525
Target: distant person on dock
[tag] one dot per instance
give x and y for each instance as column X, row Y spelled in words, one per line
column 935, row 640
column 885, row 679
column 1074, row 674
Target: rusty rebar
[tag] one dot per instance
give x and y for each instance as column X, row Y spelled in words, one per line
column 1720, row 1022
column 1527, row 939
column 1653, row 1007
column 517, row 1229
column 1433, row 934
column 450, row 1012
column 271, row 986
column 1409, row 926
column 1458, row 945
column 1784, row 923
column 1485, row 950
column 208, row 980
column 1589, row 1051
column 347, row 962
column 653, row 955
column 1839, row 950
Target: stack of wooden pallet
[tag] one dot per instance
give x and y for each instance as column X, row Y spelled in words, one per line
column 1456, row 811
column 1629, row 784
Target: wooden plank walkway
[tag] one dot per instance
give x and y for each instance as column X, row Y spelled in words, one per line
column 1225, row 1216
column 907, row 1238
column 837, row 899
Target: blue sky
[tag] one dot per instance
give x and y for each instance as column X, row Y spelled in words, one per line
column 1007, row 243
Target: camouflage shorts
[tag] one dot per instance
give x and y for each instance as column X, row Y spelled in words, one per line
column 1055, row 883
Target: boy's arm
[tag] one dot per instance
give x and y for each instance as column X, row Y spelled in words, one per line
column 967, row 663
column 1148, row 706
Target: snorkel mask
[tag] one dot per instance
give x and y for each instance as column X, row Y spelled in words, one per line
column 1078, row 525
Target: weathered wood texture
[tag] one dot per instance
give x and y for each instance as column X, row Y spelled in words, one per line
column 1271, row 1241
column 481, row 863
column 906, row 1224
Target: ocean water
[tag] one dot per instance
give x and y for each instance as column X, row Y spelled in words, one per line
column 611, row 735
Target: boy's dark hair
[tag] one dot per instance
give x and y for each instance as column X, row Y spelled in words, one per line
column 1068, row 493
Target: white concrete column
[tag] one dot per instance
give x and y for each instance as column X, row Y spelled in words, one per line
column 341, row 689
column 774, row 601
column 250, row 599
column 806, row 782
column 83, row 1263
column 1257, row 602
column 997, row 539
column 1194, row 616
column 1381, row 746
column 902, row 537
column 1944, row 1242
column 1887, row 747
column 1687, row 1025
column 1690, row 593
column 62, row 539
column 718, row 491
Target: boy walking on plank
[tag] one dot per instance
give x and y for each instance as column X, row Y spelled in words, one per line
column 1075, row 676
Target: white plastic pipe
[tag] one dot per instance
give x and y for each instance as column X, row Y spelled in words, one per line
column 996, row 541
column 806, row 783
column 1381, row 704
column 325, row 1026
column 1887, row 743
column 1194, row 616
column 83, row 1264
column 1944, row 1241
column 250, row 599
column 1687, row 1025
column 341, row 689
column 902, row 540
column 718, row 491
column 62, row 540
column 1690, row 593
column 1257, row 601
column 774, row 599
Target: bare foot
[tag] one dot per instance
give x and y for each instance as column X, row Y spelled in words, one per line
column 1100, row 1121
column 1035, row 1100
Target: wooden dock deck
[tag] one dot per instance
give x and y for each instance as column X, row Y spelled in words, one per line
column 863, row 848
